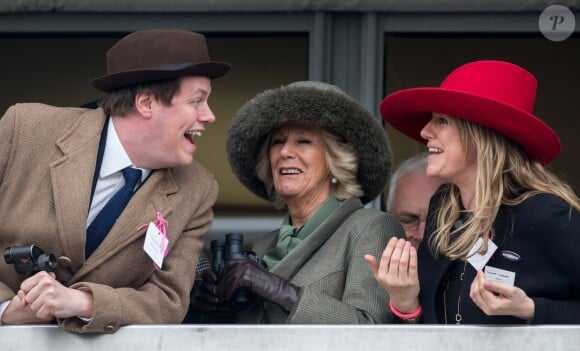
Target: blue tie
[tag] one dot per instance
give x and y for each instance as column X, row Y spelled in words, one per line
column 103, row 222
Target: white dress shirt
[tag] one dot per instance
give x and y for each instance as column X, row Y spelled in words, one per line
column 111, row 179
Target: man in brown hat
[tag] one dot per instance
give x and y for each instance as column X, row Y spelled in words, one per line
column 113, row 193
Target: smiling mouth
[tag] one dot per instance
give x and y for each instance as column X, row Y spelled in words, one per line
column 191, row 135
column 290, row 171
column 434, row 150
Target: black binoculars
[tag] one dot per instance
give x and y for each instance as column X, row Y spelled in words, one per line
column 29, row 259
column 231, row 250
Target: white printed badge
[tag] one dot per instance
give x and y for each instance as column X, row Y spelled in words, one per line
column 155, row 244
column 477, row 260
column 500, row 275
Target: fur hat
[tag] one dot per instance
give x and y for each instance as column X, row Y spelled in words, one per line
column 157, row 54
column 495, row 94
column 316, row 103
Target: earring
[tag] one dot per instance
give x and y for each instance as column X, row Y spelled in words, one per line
column 334, row 180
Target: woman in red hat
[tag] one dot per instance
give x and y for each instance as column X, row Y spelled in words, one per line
column 502, row 239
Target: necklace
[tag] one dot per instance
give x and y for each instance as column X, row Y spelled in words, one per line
column 458, row 316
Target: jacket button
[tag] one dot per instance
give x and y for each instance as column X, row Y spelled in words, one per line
column 109, row 328
column 64, row 261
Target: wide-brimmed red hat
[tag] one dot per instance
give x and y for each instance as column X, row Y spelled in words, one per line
column 495, row 94
column 157, row 54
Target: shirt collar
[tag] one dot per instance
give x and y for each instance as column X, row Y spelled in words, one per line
column 115, row 157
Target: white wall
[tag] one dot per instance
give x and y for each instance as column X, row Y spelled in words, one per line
column 302, row 338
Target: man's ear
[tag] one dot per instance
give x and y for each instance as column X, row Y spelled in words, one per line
column 143, row 104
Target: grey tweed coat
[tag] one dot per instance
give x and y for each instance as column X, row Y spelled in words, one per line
column 337, row 285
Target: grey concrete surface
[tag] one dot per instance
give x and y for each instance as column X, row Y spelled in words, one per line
column 296, row 338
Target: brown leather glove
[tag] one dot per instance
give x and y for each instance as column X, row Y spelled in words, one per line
column 204, row 293
column 205, row 306
column 238, row 275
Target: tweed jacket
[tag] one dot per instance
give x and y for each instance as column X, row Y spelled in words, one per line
column 538, row 240
column 337, row 285
column 47, row 162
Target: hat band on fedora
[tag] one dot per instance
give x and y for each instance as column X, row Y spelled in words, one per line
column 171, row 67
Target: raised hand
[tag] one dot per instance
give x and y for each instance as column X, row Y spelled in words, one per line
column 397, row 274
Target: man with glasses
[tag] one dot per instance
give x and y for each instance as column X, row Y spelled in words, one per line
column 410, row 190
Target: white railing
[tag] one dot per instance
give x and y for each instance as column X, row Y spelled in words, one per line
column 296, row 338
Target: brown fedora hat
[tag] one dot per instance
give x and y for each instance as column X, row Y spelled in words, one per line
column 157, row 54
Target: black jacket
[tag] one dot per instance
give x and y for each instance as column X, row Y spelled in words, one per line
column 545, row 232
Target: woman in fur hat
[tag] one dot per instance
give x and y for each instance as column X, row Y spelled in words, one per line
column 502, row 241
column 313, row 150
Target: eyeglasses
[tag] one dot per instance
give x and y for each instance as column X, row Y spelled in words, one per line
column 409, row 222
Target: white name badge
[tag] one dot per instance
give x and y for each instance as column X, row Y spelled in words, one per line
column 155, row 244
column 477, row 260
column 500, row 275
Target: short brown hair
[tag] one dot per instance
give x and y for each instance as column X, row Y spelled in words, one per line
column 122, row 101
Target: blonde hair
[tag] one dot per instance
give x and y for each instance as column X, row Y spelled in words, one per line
column 505, row 176
column 341, row 161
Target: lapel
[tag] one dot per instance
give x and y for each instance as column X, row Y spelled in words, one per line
column 71, row 178
column 290, row 264
column 152, row 197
